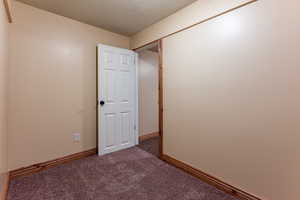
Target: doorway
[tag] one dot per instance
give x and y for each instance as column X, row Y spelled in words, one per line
column 129, row 98
column 149, row 98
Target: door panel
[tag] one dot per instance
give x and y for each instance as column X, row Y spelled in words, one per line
column 126, row 62
column 110, row 84
column 117, row 88
column 111, row 130
column 109, row 59
column 125, row 87
column 126, row 127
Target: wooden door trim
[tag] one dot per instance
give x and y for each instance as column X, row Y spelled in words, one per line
column 7, row 9
column 4, row 189
column 160, row 96
column 160, row 91
column 197, row 23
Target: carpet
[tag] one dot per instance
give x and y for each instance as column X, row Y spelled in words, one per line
column 131, row 174
column 151, row 146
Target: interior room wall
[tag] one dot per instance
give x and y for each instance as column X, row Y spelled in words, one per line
column 52, row 85
column 148, row 92
column 231, row 98
column 3, row 94
column 198, row 11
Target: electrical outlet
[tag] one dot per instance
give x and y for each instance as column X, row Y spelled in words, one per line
column 76, row 137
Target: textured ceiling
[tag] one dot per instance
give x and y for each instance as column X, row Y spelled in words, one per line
column 126, row 17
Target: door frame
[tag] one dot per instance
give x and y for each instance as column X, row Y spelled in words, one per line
column 136, row 95
column 160, row 90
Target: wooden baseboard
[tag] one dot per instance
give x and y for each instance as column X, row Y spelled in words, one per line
column 148, row 136
column 45, row 165
column 8, row 10
column 210, row 179
column 4, row 190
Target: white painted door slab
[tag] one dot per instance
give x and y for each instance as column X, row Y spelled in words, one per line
column 117, row 96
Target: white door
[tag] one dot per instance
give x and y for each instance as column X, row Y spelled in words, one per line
column 117, row 99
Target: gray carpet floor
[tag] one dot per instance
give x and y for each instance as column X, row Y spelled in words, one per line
column 131, row 174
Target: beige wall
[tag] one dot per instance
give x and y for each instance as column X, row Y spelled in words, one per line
column 148, row 92
column 198, row 11
column 3, row 93
column 237, row 80
column 52, row 85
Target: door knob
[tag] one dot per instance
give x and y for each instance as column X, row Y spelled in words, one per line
column 102, row 103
